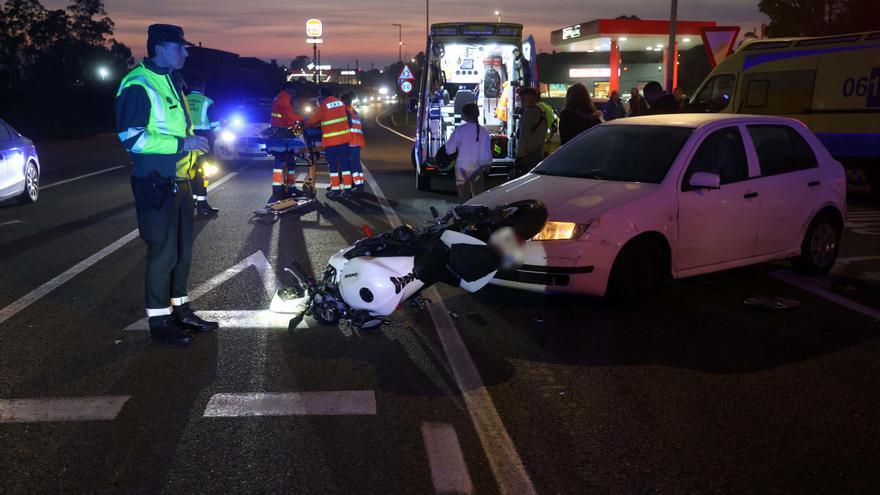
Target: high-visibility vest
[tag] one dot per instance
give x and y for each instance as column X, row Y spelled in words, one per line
column 282, row 111
column 549, row 114
column 357, row 128
column 198, row 110
column 168, row 119
column 501, row 109
column 334, row 122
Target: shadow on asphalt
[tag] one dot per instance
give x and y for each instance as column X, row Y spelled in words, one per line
column 698, row 324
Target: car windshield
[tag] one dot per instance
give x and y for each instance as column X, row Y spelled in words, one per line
column 631, row 153
column 254, row 113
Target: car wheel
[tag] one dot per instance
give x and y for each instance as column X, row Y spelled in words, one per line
column 819, row 247
column 636, row 272
column 31, row 184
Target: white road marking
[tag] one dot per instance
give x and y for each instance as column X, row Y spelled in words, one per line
column 507, row 467
column 101, row 408
column 448, row 469
column 856, row 259
column 404, row 136
column 261, row 319
column 47, row 186
column 864, row 222
column 805, row 284
column 41, row 291
column 337, row 403
column 10, row 222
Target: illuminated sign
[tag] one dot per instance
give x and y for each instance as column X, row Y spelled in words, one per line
column 348, row 73
column 590, row 72
column 314, row 28
column 571, row 32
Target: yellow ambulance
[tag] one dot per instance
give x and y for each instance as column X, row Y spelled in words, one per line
column 831, row 84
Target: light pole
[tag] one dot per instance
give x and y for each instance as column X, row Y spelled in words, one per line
column 670, row 48
column 103, row 72
column 498, row 13
column 399, row 40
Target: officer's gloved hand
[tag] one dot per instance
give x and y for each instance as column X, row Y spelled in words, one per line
column 195, row 143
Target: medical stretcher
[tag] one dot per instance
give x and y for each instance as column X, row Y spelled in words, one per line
column 293, row 146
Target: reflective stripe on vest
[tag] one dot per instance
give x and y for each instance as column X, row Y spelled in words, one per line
column 334, row 121
column 339, row 133
column 168, row 117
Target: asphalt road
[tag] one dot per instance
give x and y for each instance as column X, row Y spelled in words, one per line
column 499, row 391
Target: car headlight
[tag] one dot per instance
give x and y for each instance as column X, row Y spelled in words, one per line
column 237, row 121
column 308, row 109
column 557, row 231
column 227, row 137
column 209, row 169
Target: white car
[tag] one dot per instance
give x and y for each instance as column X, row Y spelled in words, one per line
column 238, row 137
column 638, row 200
column 19, row 166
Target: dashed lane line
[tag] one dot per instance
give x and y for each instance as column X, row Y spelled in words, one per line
column 335, row 403
column 449, row 472
column 41, row 291
column 102, row 408
column 66, row 181
column 803, row 283
column 506, row 465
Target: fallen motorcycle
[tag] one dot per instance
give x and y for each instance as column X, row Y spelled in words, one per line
column 365, row 282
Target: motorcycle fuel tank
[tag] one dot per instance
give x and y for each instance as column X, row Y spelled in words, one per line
column 378, row 285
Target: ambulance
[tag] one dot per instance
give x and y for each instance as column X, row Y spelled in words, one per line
column 831, row 84
column 481, row 63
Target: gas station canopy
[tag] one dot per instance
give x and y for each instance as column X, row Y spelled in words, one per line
column 630, row 34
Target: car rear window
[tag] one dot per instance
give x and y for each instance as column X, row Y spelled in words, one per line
column 781, row 149
column 4, row 132
column 632, row 153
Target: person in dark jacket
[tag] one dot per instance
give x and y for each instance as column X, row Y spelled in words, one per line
column 614, row 107
column 637, row 104
column 658, row 101
column 578, row 115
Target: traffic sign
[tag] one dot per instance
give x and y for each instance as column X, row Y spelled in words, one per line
column 406, row 74
column 314, row 28
column 406, row 86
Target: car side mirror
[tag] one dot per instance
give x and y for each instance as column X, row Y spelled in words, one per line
column 705, row 180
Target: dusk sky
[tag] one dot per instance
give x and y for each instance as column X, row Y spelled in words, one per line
column 362, row 28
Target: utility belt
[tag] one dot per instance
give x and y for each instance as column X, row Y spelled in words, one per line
column 161, row 188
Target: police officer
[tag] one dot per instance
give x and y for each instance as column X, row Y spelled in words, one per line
column 200, row 112
column 155, row 127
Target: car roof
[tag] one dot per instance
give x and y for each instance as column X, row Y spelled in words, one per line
column 695, row 120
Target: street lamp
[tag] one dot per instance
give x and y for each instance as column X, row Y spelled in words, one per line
column 399, row 40
column 103, row 72
column 498, row 13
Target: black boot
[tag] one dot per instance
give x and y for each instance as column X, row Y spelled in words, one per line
column 165, row 331
column 203, row 208
column 277, row 195
column 187, row 319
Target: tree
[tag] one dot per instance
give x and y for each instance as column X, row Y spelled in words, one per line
column 819, row 17
column 301, row 62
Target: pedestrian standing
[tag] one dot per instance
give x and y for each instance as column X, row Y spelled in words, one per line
column 579, row 113
column 154, row 125
column 201, row 112
column 614, row 107
column 532, row 133
column 637, row 104
column 659, row 102
column 472, row 144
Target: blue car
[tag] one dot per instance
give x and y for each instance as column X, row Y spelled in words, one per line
column 19, row 166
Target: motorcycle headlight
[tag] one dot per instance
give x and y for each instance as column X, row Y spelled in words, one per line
column 557, row 231
column 227, row 137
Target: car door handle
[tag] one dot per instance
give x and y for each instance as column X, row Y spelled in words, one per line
column 813, row 183
column 750, row 195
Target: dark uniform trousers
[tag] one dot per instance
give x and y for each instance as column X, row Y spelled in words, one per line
column 168, row 232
